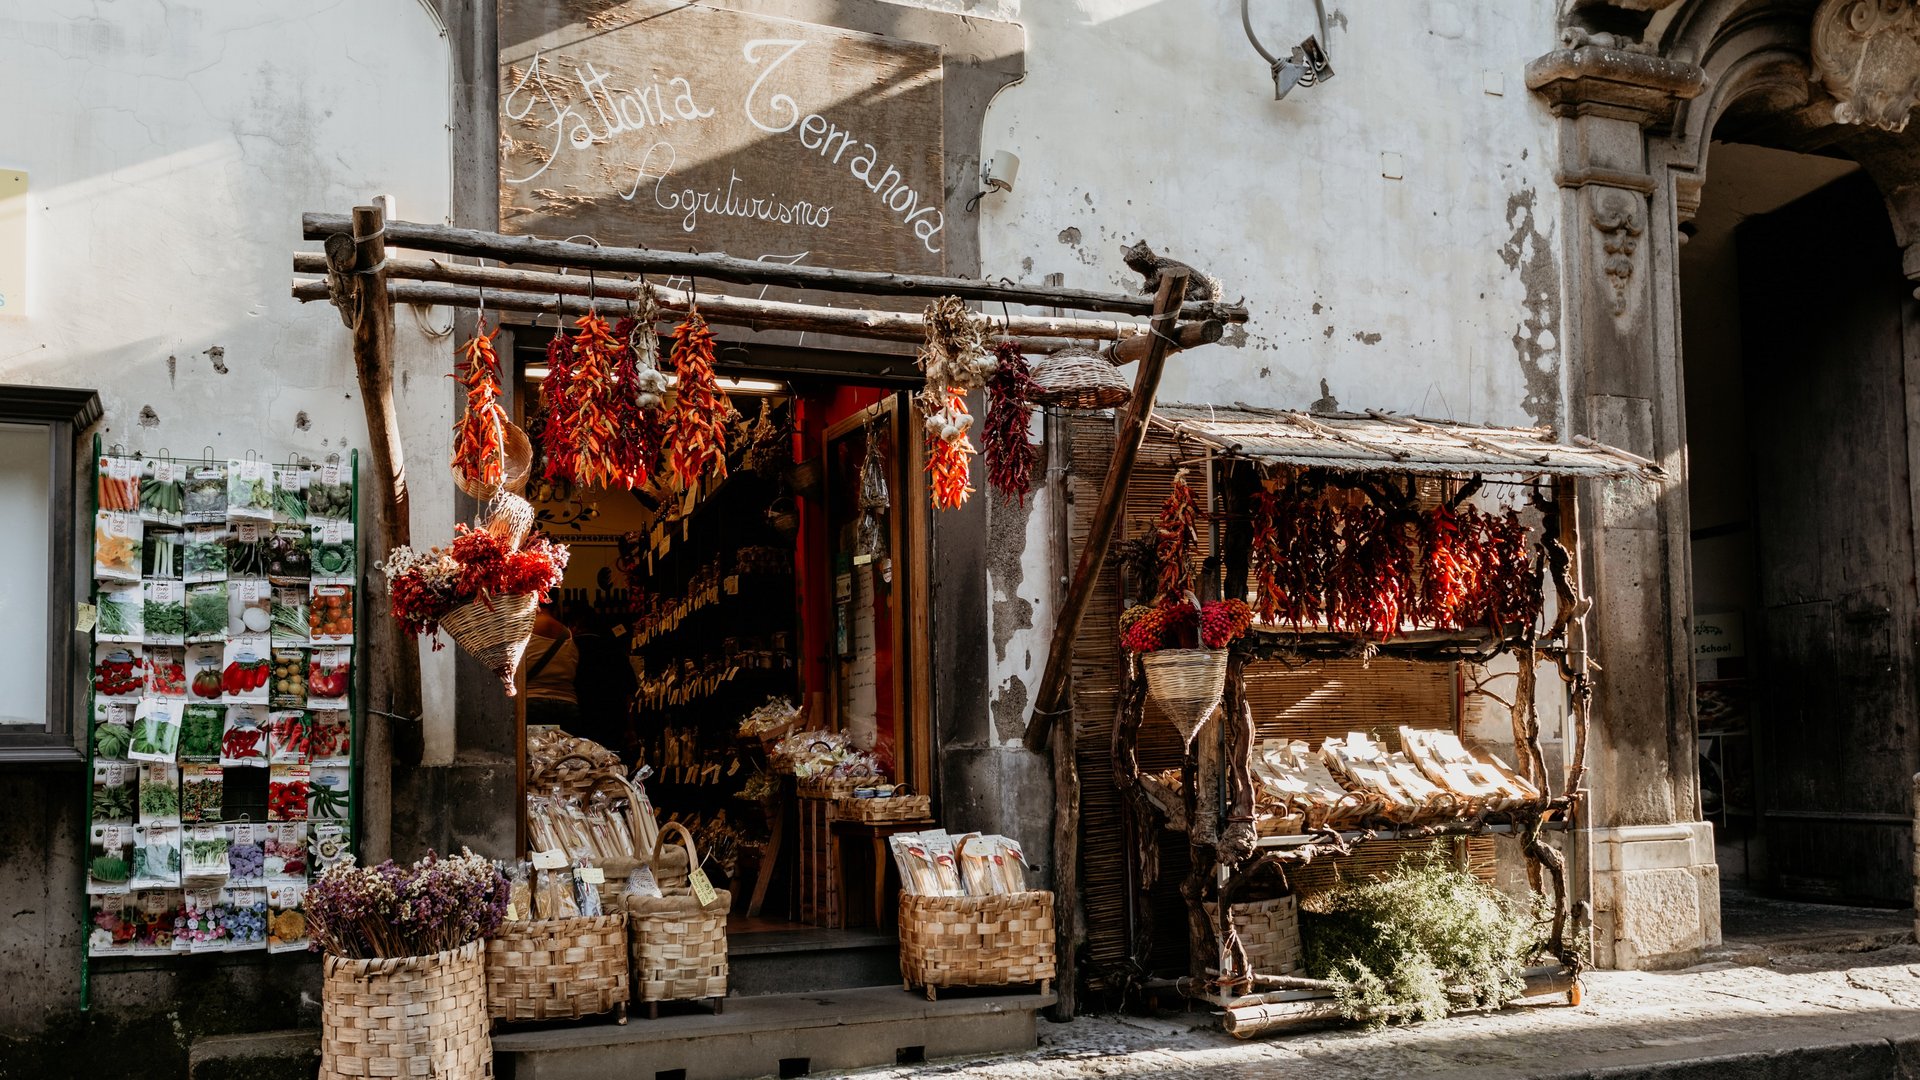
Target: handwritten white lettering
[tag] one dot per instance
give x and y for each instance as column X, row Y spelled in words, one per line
column 719, row 202
column 778, row 102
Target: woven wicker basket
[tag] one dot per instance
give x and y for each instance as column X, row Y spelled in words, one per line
column 550, row 969
column 882, row 811
column 495, row 631
column 679, row 947
column 838, row 788
column 976, row 940
column 407, row 1016
column 518, row 462
column 1186, row 684
column 1077, row 378
column 1269, row 931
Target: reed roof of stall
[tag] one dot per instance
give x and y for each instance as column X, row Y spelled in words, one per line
column 1376, row 441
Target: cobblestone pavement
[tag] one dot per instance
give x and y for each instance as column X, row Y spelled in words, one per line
column 1805, row 1014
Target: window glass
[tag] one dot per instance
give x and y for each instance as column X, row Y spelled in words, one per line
column 26, row 469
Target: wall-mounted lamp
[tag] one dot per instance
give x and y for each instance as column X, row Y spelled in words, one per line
column 998, row 174
column 1307, row 65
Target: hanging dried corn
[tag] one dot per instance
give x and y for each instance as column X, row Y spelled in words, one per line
column 949, row 452
column 556, row 393
column 698, row 433
column 1177, row 539
column 479, row 436
column 1010, row 457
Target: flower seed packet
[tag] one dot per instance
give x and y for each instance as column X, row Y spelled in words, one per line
column 327, row 796
column 249, row 607
column 249, row 665
column 159, row 795
column 116, row 546
column 330, row 737
column 206, row 494
column 163, row 612
column 204, row 854
column 289, row 615
column 163, row 493
column 120, row 615
column 110, row 925
column 166, row 670
column 286, row 852
column 247, row 913
column 201, row 728
column 246, row 854
column 156, row 730
column 330, row 844
column 330, row 493
column 204, row 554
column 287, row 917
column 119, row 488
column 244, row 744
column 109, row 860
column 330, row 615
column 205, row 922
column 118, row 673
column 329, row 678
column 155, row 915
column 156, row 856
column 207, row 612
column 249, row 491
column 331, row 557
column 202, row 787
column 290, row 493
column 114, row 788
column 287, row 739
column 112, row 729
column 289, row 789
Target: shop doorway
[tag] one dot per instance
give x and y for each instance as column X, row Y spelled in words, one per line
column 1798, row 343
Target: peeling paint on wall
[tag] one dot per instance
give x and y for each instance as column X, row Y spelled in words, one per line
column 1529, row 253
column 217, row 354
column 149, row 418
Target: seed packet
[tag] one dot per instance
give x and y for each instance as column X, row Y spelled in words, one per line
column 290, row 493
column 110, row 925
column 163, row 493
column 330, row 737
column 332, row 554
column 207, row 612
column 287, row 918
column 112, row 729
column 330, row 615
column 159, row 796
column 120, row 484
column 287, row 741
column 204, row 557
column 116, row 546
column 286, row 852
column 289, row 788
column 206, row 493
column 249, row 491
column 155, row 915
column 163, row 614
column 156, row 856
column 201, row 727
column 109, row 859
column 204, row 850
column 247, row 549
column 114, row 786
column 120, row 615
column 249, row 607
column 244, row 743
column 166, row 670
column 330, row 844
column 287, row 685
column 117, row 674
column 246, row 855
column 289, row 554
column 249, row 665
column 246, row 919
column 327, row 798
column 201, row 790
column 204, row 920
column 204, row 663
column 289, row 615
column 329, row 678
column 162, row 555
column 156, row 730
column 330, row 493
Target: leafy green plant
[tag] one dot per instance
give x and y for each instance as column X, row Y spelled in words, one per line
column 116, row 619
column 112, row 802
column 1422, row 940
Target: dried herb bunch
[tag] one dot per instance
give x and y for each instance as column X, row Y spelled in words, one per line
column 365, row 913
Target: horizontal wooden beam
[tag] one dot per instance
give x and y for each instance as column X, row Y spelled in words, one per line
column 719, row 267
column 1186, row 336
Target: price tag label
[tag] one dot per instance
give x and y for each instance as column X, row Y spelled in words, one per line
column 549, row 860
column 84, row 618
column 591, row 875
column 702, row 888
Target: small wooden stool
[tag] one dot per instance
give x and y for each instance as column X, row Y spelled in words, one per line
column 876, row 834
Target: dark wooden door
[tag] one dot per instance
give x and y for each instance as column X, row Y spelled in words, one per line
column 1824, row 309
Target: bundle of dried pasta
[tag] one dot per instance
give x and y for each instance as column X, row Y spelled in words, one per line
column 1446, row 761
column 1368, row 766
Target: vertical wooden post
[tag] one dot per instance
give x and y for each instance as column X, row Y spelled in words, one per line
column 1133, row 431
column 359, row 262
column 1066, row 764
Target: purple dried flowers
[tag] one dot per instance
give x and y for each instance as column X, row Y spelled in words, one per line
column 436, row 904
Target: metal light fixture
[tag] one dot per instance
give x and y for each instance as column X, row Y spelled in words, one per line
column 1308, row 65
column 997, row 174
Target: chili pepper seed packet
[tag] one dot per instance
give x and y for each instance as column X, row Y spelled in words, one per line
column 244, row 744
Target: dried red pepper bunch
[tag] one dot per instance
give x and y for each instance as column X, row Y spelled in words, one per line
column 1010, row 390
column 1224, row 622
column 1177, row 538
column 949, row 451
column 1169, row 624
column 479, row 436
column 698, row 433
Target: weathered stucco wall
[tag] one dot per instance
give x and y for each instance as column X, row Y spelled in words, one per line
column 171, row 148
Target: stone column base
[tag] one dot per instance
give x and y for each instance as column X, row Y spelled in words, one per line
column 1656, row 895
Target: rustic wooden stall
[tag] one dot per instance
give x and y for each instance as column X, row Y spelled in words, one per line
column 1164, row 831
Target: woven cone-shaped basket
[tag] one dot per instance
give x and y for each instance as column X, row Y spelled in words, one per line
column 495, row 631
column 1186, row 684
column 1076, row 378
column 517, row 451
column 406, row 1016
column 553, row 968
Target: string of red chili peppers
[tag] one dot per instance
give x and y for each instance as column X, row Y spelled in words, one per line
column 1010, row 457
column 480, row 433
column 698, row 433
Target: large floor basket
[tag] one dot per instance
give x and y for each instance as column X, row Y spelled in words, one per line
column 976, row 940
column 553, row 969
column 406, row 1016
column 679, row 946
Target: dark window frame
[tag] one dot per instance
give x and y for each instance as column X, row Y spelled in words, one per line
column 66, row 413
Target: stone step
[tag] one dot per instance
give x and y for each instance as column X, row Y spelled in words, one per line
column 784, row 1035
column 264, row 1055
column 804, row 961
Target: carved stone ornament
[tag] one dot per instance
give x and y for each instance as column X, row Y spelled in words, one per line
column 1867, row 55
column 1617, row 215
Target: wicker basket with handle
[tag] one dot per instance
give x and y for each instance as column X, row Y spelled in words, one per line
column 1269, row 932
column 405, row 1016
column 495, row 630
column 551, row 969
column 879, row 811
column 1186, row 684
column 679, row 947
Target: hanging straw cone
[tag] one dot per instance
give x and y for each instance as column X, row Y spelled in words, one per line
column 495, row 630
column 1077, row 378
column 1186, row 684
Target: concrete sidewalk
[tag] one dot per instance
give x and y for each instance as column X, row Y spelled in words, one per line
column 1805, row 996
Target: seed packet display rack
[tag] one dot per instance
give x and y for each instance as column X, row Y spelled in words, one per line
column 249, row 670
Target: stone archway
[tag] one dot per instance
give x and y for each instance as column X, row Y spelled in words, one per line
column 1639, row 88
